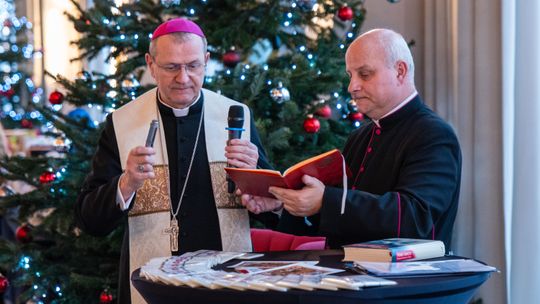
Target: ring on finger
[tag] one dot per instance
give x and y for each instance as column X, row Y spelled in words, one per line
column 140, row 168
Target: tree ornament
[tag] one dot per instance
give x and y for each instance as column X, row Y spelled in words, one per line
column 56, row 98
column 231, row 58
column 324, row 111
column 22, row 233
column 345, row 13
column 105, row 297
column 280, row 94
column 8, row 93
column 6, row 190
column 356, row 116
column 84, row 76
column 130, row 85
column 26, row 124
column 312, row 124
column 306, row 5
column 169, row 3
column 47, row 177
column 4, row 283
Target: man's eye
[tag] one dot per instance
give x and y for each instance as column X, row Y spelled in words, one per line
column 365, row 75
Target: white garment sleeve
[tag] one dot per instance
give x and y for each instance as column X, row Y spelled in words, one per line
column 124, row 205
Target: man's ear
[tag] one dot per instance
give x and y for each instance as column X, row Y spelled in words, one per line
column 149, row 64
column 402, row 70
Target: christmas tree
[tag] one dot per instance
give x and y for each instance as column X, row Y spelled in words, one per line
column 285, row 59
column 17, row 89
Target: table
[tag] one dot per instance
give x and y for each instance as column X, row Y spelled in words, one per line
column 419, row 290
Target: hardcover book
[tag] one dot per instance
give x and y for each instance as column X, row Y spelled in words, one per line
column 328, row 167
column 394, row 250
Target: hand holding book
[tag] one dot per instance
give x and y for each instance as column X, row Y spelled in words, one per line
column 326, row 167
column 259, row 204
column 300, row 188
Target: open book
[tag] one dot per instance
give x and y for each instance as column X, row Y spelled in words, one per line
column 328, row 167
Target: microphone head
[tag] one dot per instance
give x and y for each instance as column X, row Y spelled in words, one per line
column 236, row 117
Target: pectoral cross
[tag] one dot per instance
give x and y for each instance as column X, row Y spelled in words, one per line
column 173, row 233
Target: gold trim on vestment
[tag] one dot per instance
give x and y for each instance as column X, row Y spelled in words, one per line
column 153, row 196
column 224, row 200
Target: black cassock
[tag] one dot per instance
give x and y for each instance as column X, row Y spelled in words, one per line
column 405, row 182
column 98, row 214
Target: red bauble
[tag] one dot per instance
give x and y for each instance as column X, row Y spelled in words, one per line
column 56, row 98
column 22, row 234
column 105, row 297
column 231, row 59
column 4, row 283
column 26, row 124
column 356, row 116
column 47, row 177
column 324, row 112
column 9, row 93
column 312, row 124
column 345, row 13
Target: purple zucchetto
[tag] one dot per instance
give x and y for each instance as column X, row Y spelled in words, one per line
column 177, row 25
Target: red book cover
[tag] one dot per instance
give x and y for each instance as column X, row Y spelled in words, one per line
column 326, row 167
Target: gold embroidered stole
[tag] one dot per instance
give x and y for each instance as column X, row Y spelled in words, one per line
column 150, row 214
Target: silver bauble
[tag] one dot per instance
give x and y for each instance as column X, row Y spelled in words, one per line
column 280, row 94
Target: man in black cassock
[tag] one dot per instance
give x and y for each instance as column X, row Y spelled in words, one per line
column 405, row 163
column 174, row 194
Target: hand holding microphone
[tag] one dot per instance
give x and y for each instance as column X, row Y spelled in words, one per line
column 240, row 153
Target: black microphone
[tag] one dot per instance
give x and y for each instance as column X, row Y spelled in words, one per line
column 236, row 126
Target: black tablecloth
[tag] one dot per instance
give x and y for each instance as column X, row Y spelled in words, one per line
column 451, row 289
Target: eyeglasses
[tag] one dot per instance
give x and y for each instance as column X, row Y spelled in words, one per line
column 193, row 68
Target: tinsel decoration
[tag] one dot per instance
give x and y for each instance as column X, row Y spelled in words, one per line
column 56, row 98
column 312, row 124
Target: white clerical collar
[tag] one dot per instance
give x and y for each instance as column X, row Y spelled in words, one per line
column 180, row 112
column 399, row 106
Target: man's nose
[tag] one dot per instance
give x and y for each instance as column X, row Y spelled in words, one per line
column 182, row 75
column 355, row 84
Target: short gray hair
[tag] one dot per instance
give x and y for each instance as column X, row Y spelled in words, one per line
column 395, row 48
column 178, row 37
